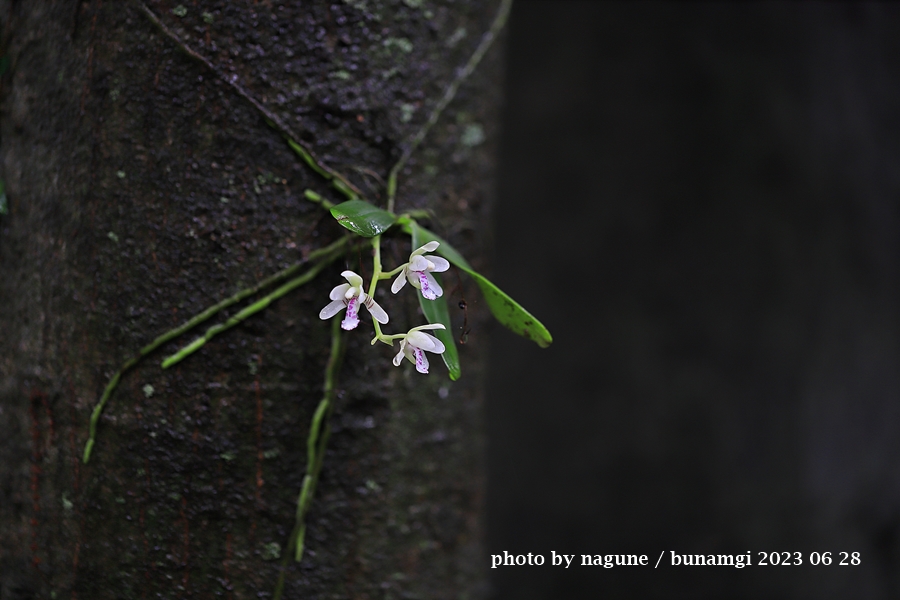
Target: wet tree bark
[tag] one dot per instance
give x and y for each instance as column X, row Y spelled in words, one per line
column 142, row 188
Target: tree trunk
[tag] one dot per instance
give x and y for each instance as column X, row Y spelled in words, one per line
column 143, row 187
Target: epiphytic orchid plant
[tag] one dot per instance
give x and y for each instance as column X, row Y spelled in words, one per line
column 430, row 256
column 421, row 271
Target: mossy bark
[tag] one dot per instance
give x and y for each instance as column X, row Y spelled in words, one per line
column 142, row 188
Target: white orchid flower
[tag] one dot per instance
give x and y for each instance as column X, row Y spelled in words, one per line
column 350, row 295
column 414, row 344
column 419, row 271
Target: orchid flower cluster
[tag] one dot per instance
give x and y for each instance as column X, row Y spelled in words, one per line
column 418, row 271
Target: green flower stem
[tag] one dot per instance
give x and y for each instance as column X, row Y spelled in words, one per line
column 373, row 285
column 486, row 40
column 388, row 339
column 376, row 265
column 187, row 326
column 378, row 334
column 251, row 310
column 390, row 274
column 376, row 275
column 319, row 432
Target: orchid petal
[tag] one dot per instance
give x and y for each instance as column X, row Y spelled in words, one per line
column 421, row 360
column 434, row 284
column 429, row 247
column 408, row 351
column 418, row 263
column 420, row 340
column 439, row 264
column 332, row 309
column 376, row 311
column 438, row 344
column 399, row 282
column 354, row 279
column 425, row 285
column 431, row 289
column 351, row 319
column 399, row 358
column 338, row 292
column 429, row 326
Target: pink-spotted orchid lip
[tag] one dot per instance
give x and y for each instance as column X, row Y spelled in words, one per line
column 415, row 343
column 351, row 296
column 419, row 271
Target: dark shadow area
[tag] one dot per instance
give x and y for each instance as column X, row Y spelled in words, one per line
column 702, row 203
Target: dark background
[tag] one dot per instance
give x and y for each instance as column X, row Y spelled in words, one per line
column 700, row 201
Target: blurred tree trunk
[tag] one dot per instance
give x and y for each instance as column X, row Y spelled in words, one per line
column 142, row 188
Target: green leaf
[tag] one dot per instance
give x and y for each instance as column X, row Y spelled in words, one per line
column 4, row 206
column 435, row 311
column 510, row 313
column 506, row 310
column 363, row 218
